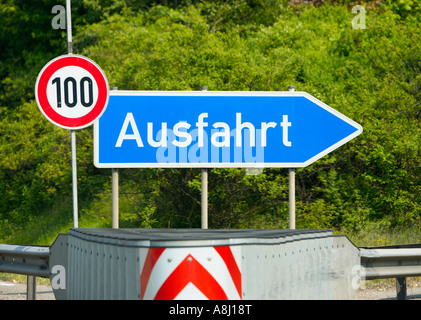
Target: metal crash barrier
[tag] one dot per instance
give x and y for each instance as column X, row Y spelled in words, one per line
column 398, row 262
column 202, row 264
column 32, row 261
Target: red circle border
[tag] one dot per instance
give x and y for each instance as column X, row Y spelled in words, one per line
column 41, row 91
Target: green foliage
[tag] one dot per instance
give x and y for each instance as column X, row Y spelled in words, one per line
column 371, row 75
column 409, row 9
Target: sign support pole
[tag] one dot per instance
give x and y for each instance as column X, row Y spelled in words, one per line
column 114, row 194
column 204, row 202
column 74, row 179
column 204, row 199
column 291, row 193
column 69, row 27
column 291, row 198
column 115, row 213
column 72, row 132
column 74, row 68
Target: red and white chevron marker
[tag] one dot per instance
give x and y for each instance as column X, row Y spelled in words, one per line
column 212, row 273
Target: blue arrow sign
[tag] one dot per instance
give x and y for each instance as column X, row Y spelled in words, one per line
column 143, row 129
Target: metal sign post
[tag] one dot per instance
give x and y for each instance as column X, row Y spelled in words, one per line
column 114, row 194
column 204, row 202
column 72, row 92
column 74, row 180
column 69, row 26
column 291, row 192
column 72, row 132
column 204, row 198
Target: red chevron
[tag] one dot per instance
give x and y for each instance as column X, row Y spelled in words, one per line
column 228, row 257
column 190, row 270
column 151, row 258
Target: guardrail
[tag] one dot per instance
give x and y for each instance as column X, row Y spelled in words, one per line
column 32, row 261
column 399, row 262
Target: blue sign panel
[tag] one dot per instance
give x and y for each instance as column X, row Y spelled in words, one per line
column 143, row 129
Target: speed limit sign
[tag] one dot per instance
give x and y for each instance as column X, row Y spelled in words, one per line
column 72, row 91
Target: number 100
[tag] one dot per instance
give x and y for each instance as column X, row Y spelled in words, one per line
column 70, row 85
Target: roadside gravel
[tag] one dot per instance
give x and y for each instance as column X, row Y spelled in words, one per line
column 17, row 291
column 386, row 294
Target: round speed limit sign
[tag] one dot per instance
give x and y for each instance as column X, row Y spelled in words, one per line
column 72, row 91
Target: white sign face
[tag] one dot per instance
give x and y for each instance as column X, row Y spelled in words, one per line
column 72, row 91
column 72, row 96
